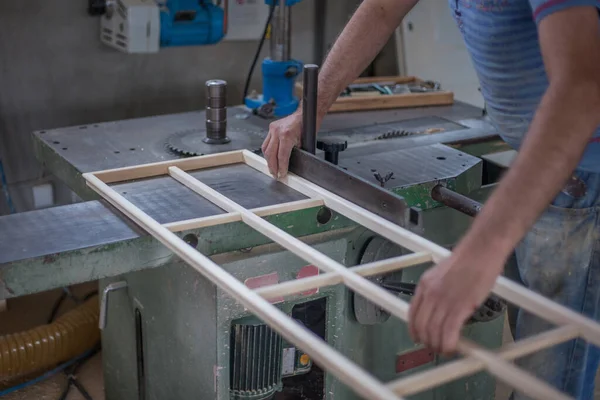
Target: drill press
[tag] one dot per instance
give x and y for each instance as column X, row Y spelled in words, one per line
column 279, row 71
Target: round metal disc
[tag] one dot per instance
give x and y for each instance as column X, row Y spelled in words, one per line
column 190, row 142
column 366, row 312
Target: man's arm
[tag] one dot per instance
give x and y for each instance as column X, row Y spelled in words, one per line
column 565, row 121
column 362, row 39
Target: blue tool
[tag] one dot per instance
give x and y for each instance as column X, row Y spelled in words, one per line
column 279, row 71
column 191, row 22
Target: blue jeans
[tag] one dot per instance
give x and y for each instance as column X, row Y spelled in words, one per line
column 560, row 259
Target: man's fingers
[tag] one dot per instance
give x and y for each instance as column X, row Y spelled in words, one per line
column 436, row 327
column 451, row 331
column 422, row 314
column 271, row 156
column 412, row 312
column 283, row 157
column 265, row 144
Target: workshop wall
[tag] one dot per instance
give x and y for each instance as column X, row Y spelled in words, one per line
column 54, row 72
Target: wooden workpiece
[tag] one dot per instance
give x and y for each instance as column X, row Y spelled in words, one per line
column 377, row 101
column 570, row 324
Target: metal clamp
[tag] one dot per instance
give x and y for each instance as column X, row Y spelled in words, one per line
column 104, row 302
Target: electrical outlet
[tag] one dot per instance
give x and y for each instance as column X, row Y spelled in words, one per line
column 43, row 195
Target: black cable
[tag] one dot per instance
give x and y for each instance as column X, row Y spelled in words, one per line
column 72, row 380
column 65, row 392
column 56, row 306
column 62, row 298
column 81, row 389
column 260, row 45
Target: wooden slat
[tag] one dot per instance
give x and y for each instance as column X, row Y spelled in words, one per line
column 384, row 102
column 331, row 278
column 160, row 168
column 518, row 378
column 203, row 222
column 324, row 355
column 458, row 369
column 378, row 101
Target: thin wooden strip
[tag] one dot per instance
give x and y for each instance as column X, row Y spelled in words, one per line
column 458, row 369
column 547, row 309
column 161, row 168
column 504, row 287
column 287, row 207
column 512, row 375
column 392, row 264
column 289, row 288
column 332, row 278
column 203, row 222
column 518, row 378
column 345, row 370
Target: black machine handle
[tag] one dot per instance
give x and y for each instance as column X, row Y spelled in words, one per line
column 332, row 149
column 309, row 107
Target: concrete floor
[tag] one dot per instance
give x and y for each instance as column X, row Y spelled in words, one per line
column 29, row 311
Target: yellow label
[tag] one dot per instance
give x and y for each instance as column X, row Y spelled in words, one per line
column 304, row 359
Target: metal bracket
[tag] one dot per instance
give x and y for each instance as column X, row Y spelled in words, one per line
column 104, row 302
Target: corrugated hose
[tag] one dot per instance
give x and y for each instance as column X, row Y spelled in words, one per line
column 46, row 346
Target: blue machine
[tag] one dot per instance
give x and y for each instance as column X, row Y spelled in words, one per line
column 202, row 22
column 191, row 22
column 279, row 71
column 278, row 87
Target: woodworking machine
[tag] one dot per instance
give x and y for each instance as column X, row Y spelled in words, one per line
column 168, row 333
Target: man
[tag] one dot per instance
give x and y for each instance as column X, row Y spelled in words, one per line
column 538, row 62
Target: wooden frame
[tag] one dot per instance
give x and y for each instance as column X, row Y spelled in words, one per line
column 383, row 102
column 571, row 324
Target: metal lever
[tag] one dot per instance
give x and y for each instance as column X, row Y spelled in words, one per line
column 104, row 302
column 309, row 108
column 455, row 200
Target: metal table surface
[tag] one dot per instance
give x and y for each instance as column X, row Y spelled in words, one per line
column 94, row 223
column 139, row 141
column 70, row 151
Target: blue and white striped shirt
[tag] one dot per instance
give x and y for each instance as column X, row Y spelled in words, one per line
column 502, row 39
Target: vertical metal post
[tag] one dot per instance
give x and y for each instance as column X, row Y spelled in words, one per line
column 281, row 33
column 216, row 112
column 309, row 108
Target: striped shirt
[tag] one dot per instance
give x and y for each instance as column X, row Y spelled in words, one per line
column 502, row 39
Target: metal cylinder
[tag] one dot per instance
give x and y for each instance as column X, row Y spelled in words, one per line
column 456, row 200
column 216, row 112
column 309, row 108
column 281, row 32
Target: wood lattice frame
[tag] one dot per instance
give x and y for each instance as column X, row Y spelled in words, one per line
column 570, row 324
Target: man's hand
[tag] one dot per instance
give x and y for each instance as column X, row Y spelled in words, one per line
column 447, row 295
column 283, row 135
column 565, row 120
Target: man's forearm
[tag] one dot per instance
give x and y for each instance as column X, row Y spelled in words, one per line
column 565, row 121
column 362, row 39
